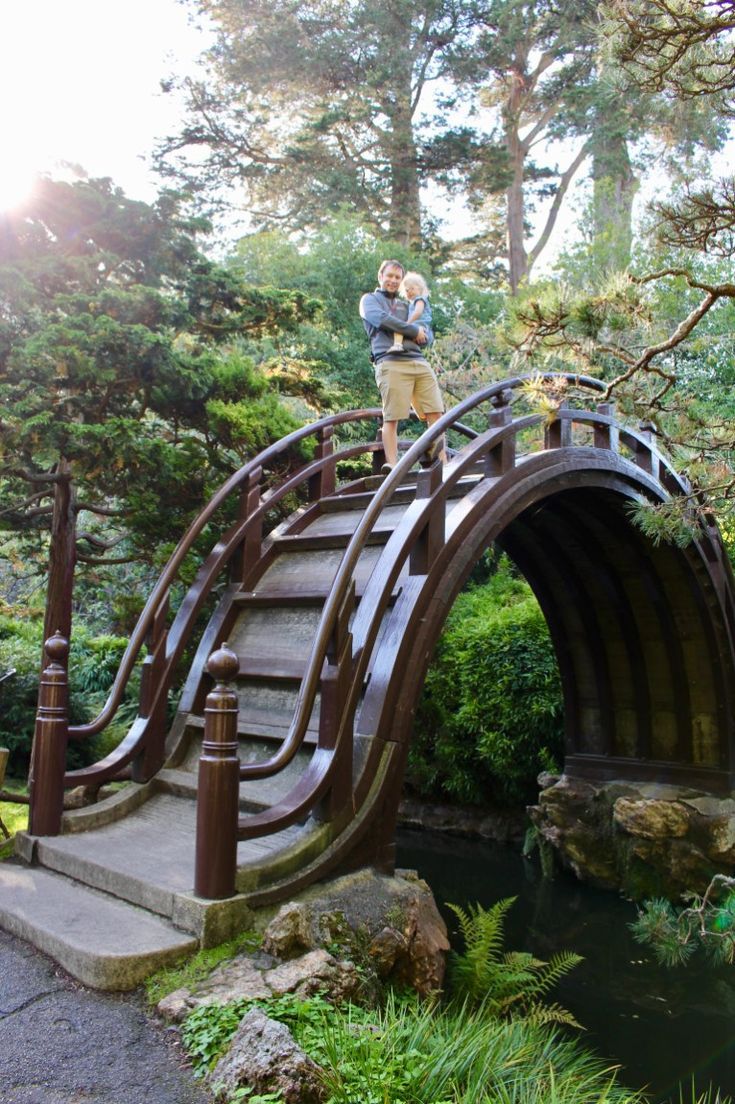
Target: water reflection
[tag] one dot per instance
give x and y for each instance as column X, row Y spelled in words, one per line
column 663, row 1026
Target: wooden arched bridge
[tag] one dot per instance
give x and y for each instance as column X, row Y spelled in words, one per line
column 330, row 584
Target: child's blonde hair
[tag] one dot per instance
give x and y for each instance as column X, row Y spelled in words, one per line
column 417, row 280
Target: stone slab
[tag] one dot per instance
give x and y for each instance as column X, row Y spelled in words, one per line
column 103, row 942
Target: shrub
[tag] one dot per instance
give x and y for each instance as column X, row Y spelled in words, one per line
column 490, row 717
column 93, row 663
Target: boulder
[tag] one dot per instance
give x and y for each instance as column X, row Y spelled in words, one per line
column 289, row 932
column 651, row 819
column 644, row 838
column 315, row 972
column 264, row 1058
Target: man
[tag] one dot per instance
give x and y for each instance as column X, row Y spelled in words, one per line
column 404, row 379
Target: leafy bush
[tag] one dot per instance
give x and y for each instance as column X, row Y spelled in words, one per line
column 490, row 717
column 93, row 663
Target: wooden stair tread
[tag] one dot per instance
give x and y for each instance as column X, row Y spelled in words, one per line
column 261, row 724
column 287, row 593
column 308, row 542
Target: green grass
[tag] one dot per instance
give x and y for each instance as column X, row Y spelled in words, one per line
column 14, row 817
column 422, row 1054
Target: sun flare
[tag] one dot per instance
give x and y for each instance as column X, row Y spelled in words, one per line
column 16, row 184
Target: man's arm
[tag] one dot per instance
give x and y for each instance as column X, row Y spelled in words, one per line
column 373, row 312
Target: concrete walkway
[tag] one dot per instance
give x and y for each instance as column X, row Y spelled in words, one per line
column 63, row 1044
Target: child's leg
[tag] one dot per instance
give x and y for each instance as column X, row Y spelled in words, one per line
column 397, row 346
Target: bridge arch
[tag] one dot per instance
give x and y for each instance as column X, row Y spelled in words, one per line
column 640, row 631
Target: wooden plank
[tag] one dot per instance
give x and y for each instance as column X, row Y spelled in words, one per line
column 326, row 541
column 256, row 723
column 286, row 594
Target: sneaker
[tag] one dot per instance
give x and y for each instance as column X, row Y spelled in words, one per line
column 387, row 468
column 395, row 349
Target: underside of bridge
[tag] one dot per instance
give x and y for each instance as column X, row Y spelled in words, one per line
column 640, row 638
column 642, row 631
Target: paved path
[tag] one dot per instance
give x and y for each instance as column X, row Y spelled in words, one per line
column 63, row 1044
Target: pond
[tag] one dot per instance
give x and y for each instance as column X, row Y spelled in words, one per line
column 664, row 1027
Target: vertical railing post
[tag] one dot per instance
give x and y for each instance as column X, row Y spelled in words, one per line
column 501, row 457
column 605, row 436
column 219, row 784
column 558, row 434
column 335, row 688
column 645, row 457
column 251, row 549
column 324, row 482
column 430, row 540
column 153, row 703
column 48, row 763
column 379, row 454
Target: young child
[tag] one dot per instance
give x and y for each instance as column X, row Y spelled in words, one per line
column 415, row 289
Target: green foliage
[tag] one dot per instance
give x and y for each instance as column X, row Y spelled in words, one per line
column 490, row 717
column 120, row 351
column 93, row 663
column 508, row 984
column 675, row 933
column 420, row 1053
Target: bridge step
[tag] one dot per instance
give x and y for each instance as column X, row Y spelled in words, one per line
column 147, row 860
column 102, row 941
column 405, row 493
column 288, row 595
column 310, row 542
column 252, row 725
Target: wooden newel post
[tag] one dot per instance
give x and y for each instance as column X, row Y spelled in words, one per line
column 49, row 742
column 219, row 784
column 324, row 482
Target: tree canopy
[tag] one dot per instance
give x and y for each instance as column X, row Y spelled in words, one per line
column 119, row 360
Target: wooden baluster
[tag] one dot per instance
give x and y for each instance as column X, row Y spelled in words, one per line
column 606, row 436
column 430, row 540
column 501, row 457
column 645, row 457
column 219, row 784
column 335, row 688
column 151, row 759
column 324, row 482
column 251, row 548
column 379, row 454
column 48, row 763
column 558, row 434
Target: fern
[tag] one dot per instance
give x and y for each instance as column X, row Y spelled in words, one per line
column 506, row 984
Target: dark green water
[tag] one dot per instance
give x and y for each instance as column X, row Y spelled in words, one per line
column 662, row 1026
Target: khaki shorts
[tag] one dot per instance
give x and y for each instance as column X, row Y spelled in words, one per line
column 405, row 382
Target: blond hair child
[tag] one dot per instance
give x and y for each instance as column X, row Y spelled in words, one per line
column 415, row 289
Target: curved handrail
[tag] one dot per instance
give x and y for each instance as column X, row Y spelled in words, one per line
column 344, row 575
column 168, row 575
column 293, row 805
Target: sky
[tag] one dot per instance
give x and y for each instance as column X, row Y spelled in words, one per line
column 79, row 83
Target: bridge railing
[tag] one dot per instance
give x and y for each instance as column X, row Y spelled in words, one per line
column 143, row 746
column 337, row 664
column 418, row 539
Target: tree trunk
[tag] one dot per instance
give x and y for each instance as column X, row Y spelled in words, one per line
column 614, row 188
column 405, row 203
column 62, row 556
column 517, row 256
